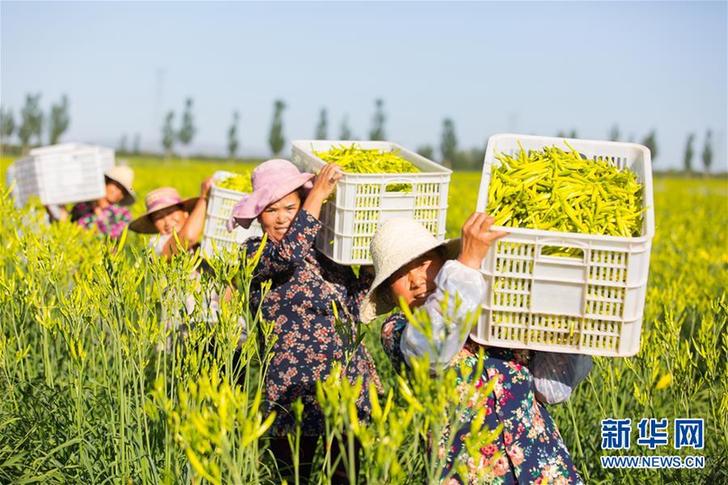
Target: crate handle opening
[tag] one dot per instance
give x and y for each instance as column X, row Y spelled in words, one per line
column 399, row 185
column 569, row 251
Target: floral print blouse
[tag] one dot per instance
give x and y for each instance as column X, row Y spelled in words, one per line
column 531, row 447
column 305, row 287
column 111, row 221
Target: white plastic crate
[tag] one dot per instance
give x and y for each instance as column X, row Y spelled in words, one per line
column 62, row 174
column 364, row 201
column 68, row 147
column 10, row 184
column 591, row 303
column 219, row 208
column 25, row 185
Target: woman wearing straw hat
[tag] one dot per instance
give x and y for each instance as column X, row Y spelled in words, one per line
column 108, row 215
column 167, row 213
column 422, row 271
column 307, row 292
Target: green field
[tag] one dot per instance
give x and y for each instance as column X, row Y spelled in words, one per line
column 89, row 398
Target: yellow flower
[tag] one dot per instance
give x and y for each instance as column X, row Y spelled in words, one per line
column 664, row 381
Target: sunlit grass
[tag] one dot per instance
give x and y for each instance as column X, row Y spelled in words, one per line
column 88, row 396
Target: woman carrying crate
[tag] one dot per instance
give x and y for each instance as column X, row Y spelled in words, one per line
column 167, row 216
column 167, row 213
column 422, row 272
column 308, row 291
column 108, row 215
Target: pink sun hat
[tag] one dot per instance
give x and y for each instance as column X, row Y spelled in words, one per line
column 158, row 200
column 272, row 180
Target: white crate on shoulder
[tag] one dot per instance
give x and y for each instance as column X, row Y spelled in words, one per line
column 216, row 238
column 12, row 186
column 590, row 302
column 63, row 174
column 364, row 201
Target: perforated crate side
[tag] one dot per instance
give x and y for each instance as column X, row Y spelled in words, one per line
column 560, row 333
column 70, row 177
column 220, row 205
column 364, row 201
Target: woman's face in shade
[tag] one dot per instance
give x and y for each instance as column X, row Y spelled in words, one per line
column 114, row 192
column 169, row 220
column 415, row 281
column 277, row 217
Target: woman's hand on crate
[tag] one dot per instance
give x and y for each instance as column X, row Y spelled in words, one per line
column 205, row 187
column 323, row 186
column 326, row 180
column 477, row 239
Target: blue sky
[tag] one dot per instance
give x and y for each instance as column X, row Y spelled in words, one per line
column 492, row 67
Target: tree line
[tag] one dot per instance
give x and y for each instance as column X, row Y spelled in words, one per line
column 33, row 123
column 650, row 141
column 449, row 153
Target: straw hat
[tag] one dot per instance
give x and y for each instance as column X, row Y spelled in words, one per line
column 158, row 200
column 124, row 176
column 396, row 243
column 272, row 180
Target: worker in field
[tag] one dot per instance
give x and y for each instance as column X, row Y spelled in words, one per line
column 423, row 273
column 167, row 213
column 308, row 292
column 176, row 225
column 109, row 214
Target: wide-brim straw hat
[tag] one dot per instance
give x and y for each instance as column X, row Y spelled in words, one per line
column 271, row 180
column 396, row 243
column 124, row 176
column 158, row 200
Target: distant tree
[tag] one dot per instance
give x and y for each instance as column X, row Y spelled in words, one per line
column 572, row 134
column 123, row 148
column 31, row 121
column 232, row 136
column 322, row 126
column 477, row 157
column 469, row 159
column 7, row 125
column 561, row 134
column 448, row 143
column 378, row 121
column 168, row 134
column 137, row 144
column 187, row 130
column 345, row 131
column 650, row 141
column 276, row 139
column 708, row 151
column 58, row 121
column 614, row 133
column 689, row 152
column 426, row 151
column 25, row 130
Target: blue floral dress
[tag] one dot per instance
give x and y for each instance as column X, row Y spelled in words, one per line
column 305, row 287
column 532, row 450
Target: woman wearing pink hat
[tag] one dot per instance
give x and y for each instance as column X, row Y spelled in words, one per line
column 306, row 286
column 167, row 213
